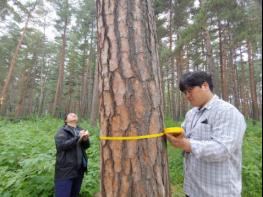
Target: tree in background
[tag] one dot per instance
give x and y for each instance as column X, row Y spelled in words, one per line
column 188, row 36
column 64, row 13
column 211, row 38
column 27, row 9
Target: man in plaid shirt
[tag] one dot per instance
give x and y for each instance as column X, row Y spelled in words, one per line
column 212, row 141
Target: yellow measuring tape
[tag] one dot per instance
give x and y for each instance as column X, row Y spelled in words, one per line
column 171, row 130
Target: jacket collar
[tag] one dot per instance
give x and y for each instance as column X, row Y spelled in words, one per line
column 70, row 129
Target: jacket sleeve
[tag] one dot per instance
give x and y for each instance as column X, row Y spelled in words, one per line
column 228, row 131
column 62, row 143
column 85, row 144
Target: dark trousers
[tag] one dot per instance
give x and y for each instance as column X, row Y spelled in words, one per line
column 68, row 188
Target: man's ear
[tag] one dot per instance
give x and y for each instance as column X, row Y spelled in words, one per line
column 205, row 86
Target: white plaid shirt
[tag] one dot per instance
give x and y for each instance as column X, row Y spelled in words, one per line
column 213, row 168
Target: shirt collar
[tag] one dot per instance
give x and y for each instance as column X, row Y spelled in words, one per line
column 207, row 105
column 210, row 103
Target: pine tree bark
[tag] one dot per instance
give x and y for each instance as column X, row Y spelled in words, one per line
column 130, row 101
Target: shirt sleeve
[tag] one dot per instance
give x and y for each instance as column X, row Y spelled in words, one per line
column 227, row 135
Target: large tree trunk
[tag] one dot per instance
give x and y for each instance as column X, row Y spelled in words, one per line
column 130, row 101
column 253, row 92
column 59, row 88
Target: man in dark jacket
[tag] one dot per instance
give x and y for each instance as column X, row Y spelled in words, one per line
column 71, row 159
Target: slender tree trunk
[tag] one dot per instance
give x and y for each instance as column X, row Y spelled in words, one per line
column 253, row 92
column 43, row 76
column 177, row 113
column 95, row 95
column 234, row 77
column 179, row 67
column 91, row 78
column 223, row 59
column 209, row 53
column 69, row 107
column 95, row 99
column 12, row 65
column 84, row 85
column 173, row 106
column 173, row 99
column 169, row 100
column 43, row 81
column 163, row 90
column 208, row 46
column 59, row 88
column 243, row 88
column 177, row 104
column 26, row 88
column 84, row 91
column 23, row 93
column 92, row 72
column 30, row 96
column 130, row 101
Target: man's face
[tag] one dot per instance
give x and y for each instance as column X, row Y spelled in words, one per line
column 72, row 118
column 197, row 95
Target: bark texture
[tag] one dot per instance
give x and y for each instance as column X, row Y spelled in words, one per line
column 130, row 100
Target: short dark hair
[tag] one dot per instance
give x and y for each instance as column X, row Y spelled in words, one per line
column 195, row 78
column 65, row 118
